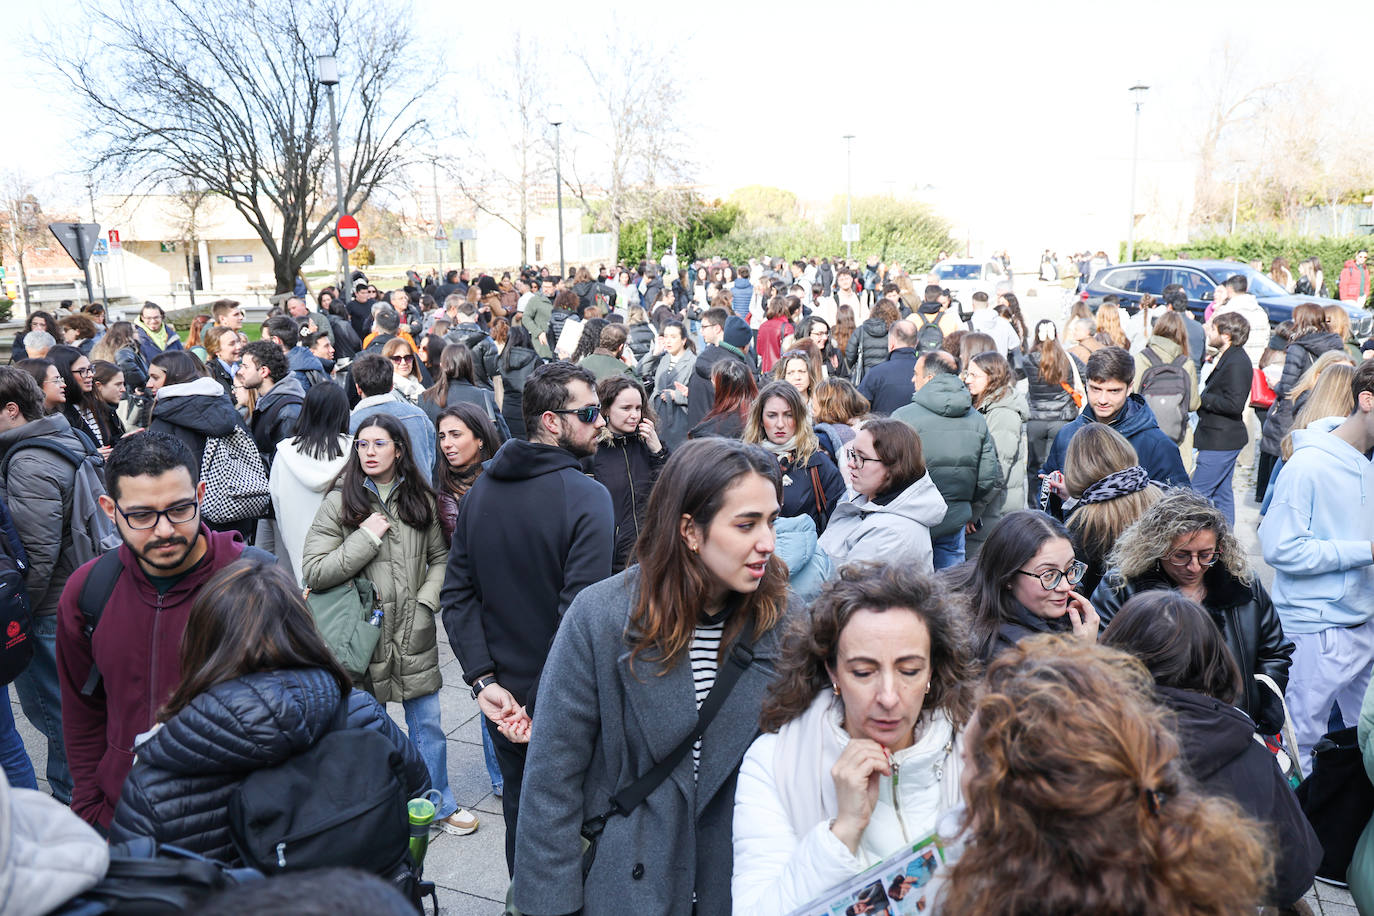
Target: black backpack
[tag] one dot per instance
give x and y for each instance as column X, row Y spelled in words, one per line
column 342, row 803
column 145, row 879
column 16, row 612
column 930, row 337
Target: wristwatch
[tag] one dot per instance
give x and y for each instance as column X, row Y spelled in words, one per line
column 482, row 683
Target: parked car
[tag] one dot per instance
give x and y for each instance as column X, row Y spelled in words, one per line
column 965, row 276
column 1200, row 280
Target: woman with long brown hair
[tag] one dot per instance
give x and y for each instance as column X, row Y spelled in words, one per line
column 1078, row 799
column 780, row 421
column 628, row 459
column 1054, row 394
column 990, row 380
column 258, row 687
column 859, row 755
column 1109, row 489
column 735, row 390
column 380, row 522
column 634, row 662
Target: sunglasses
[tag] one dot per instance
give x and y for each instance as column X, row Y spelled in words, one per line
column 585, row 414
column 401, row 359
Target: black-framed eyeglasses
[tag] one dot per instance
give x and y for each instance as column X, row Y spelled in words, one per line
column 143, row 519
column 585, row 414
column 1184, row 558
column 1051, row 578
column 857, row 461
column 86, row 371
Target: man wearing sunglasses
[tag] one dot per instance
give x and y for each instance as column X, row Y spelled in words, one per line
column 115, row 677
column 534, row 530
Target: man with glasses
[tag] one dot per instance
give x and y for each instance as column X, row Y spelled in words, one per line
column 38, row 488
column 115, row 677
column 533, row 532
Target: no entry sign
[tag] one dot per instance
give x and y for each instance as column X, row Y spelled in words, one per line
column 346, row 231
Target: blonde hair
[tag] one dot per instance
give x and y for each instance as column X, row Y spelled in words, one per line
column 1314, row 372
column 1330, row 397
column 1095, row 451
column 806, row 443
column 1109, row 323
column 1338, row 321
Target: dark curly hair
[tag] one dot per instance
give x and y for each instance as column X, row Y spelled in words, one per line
column 810, row 645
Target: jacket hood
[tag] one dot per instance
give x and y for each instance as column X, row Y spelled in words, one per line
column 921, row 503
column 875, row 327
column 1212, row 733
column 1317, row 435
column 54, row 426
column 945, row 395
column 519, row 358
column 518, row 459
column 287, row 387
column 796, row 540
column 250, row 722
column 1011, row 400
column 1168, row 350
column 1319, row 342
column 302, row 360
column 1135, row 416
column 741, row 283
column 200, row 405
column 316, row 474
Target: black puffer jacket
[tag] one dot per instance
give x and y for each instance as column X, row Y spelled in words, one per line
column 194, row 411
column 1248, row 622
column 1046, row 401
column 867, row 347
column 625, row 466
column 641, row 339
column 178, row 792
column 516, row 365
column 1225, row 759
column 1302, row 353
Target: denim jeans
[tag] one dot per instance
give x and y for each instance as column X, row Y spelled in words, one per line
column 489, row 755
column 427, row 734
column 14, row 760
column 1212, row 478
column 40, row 696
column 948, row 549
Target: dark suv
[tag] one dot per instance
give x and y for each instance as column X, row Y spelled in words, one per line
column 1199, row 280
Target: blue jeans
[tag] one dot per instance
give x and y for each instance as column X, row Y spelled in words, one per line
column 489, row 755
column 948, row 549
column 40, row 696
column 1212, row 478
column 14, row 760
column 427, row 734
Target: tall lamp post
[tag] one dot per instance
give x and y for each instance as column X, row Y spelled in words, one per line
column 558, row 181
column 328, row 74
column 1138, row 94
column 848, row 194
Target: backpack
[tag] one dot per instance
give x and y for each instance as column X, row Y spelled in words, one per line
column 930, row 337
column 99, row 587
column 1167, row 389
column 16, row 612
column 92, row 531
column 341, row 803
column 235, row 479
column 145, row 879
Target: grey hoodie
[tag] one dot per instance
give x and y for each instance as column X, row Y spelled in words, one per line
column 862, row 530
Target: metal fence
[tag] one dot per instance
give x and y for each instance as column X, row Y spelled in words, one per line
column 1310, row 222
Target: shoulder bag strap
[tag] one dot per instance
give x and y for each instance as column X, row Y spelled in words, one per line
column 817, row 490
column 627, row 799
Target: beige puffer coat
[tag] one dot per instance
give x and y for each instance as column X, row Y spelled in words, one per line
column 407, row 569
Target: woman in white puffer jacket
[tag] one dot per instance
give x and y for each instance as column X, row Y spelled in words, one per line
column 861, row 751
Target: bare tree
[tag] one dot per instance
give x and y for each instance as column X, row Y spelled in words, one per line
column 25, row 224
column 639, row 136
column 189, row 201
column 224, row 94
column 512, row 155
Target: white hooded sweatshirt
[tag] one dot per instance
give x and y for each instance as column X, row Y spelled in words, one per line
column 298, row 485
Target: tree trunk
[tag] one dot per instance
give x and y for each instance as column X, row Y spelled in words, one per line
column 648, row 241
column 285, row 277
column 615, row 236
column 190, row 272
column 24, row 284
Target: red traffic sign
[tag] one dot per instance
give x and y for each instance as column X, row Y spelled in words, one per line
column 346, row 231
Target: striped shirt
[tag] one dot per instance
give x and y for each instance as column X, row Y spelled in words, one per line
column 704, row 654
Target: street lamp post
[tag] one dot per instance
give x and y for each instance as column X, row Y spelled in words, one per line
column 848, row 194
column 1138, row 94
column 328, row 75
column 558, row 180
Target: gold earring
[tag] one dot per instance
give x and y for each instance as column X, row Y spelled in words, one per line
column 836, row 687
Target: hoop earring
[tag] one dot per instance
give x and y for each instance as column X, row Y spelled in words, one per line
column 836, row 688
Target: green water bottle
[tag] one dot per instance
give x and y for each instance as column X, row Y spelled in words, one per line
column 421, row 812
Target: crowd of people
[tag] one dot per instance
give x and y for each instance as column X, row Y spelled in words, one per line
column 721, row 551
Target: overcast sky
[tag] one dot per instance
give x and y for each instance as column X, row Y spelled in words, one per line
column 999, row 108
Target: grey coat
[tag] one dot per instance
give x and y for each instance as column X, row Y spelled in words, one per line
column 669, row 404
column 598, row 727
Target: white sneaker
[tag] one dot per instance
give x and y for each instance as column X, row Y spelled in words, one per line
column 459, row 823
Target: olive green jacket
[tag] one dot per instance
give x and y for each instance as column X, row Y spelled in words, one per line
column 407, row 569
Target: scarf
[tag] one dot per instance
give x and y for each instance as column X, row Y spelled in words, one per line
column 1118, row 483
column 158, row 337
column 781, row 450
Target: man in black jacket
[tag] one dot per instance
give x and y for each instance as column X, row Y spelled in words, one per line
column 1221, row 433
column 509, row 582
